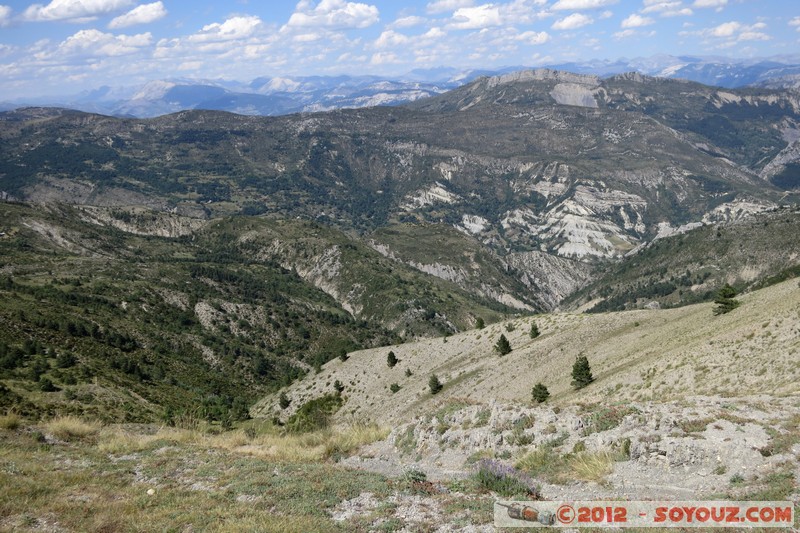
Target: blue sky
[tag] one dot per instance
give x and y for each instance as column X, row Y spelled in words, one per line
column 69, row 45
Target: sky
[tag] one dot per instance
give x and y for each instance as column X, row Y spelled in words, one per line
column 66, row 46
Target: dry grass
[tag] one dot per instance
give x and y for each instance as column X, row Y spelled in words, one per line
column 10, row 421
column 116, row 440
column 70, row 427
column 592, row 466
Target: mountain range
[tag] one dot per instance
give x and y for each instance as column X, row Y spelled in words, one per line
column 283, row 95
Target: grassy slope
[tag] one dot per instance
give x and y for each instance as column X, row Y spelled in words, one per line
column 691, row 267
column 663, row 354
column 127, row 326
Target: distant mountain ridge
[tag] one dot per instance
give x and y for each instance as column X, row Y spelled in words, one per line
column 280, row 95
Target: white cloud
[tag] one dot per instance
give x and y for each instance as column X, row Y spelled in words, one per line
column 606, row 14
column 143, row 14
column 391, row 38
column 636, row 21
column 574, row 21
column 753, row 36
column 232, row 29
column 333, row 14
column 624, row 33
column 725, row 29
column 582, row 4
column 710, row 3
column 533, row 38
column 5, row 16
column 795, row 22
column 384, row 58
column 440, row 6
column 668, row 8
column 408, row 22
column 98, row 43
column 472, row 18
column 74, row 10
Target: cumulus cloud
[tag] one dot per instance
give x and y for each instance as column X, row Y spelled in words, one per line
column 736, row 31
column 143, row 14
column 533, row 38
column 384, row 58
column 74, row 10
column 668, row 8
column 408, row 22
column 391, row 38
column 98, row 43
column 710, row 3
column 636, row 21
column 5, row 16
column 571, row 22
column 473, row 18
column 232, row 29
column 795, row 22
column 577, row 5
column 441, row 6
column 333, row 14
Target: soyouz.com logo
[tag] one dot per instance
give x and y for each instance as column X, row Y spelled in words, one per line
column 643, row 514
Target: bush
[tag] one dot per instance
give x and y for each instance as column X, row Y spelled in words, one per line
column 581, row 372
column 434, row 384
column 394, row 387
column 314, row 414
column 504, row 480
column 70, row 427
column 284, row 401
column 479, row 323
column 540, row 394
column 391, row 360
column 725, row 301
column 534, row 330
column 337, row 385
column 502, row 347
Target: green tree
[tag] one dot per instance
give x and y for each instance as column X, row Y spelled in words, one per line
column 284, row 401
column 394, row 387
column 338, row 386
column 725, row 300
column 540, row 393
column 581, row 372
column 503, row 346
column 479, row 323
column 534, row 330
column 391, row 360
column 434, row 384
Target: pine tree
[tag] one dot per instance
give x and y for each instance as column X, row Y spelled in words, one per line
column 581, row 372
column 503, row 346
column 338, row 386
column 725, row 301
column 434, row 384
column 534, row 330
column 391, row 360
column 479, row 324
column 540, row 393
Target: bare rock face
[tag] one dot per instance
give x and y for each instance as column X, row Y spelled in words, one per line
column 574, row 94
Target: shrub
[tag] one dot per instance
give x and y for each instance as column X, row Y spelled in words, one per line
column 408, row 373
column 540, row 393
column 70, row 427
column 725, row 301
column 394, row 387
column 314, row 414
column 510, row 327
column 534, row 330
column 502, row 347
column 504, row 480
column 337, row 385
column 581, row 372
column 391, row 360
column 284, row 401
column 10, row 421
column 479, row 323
column 434, row 384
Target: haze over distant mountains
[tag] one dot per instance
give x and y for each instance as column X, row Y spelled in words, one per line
column 284, row 95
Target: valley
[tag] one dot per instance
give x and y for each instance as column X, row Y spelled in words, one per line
column 335, row 321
